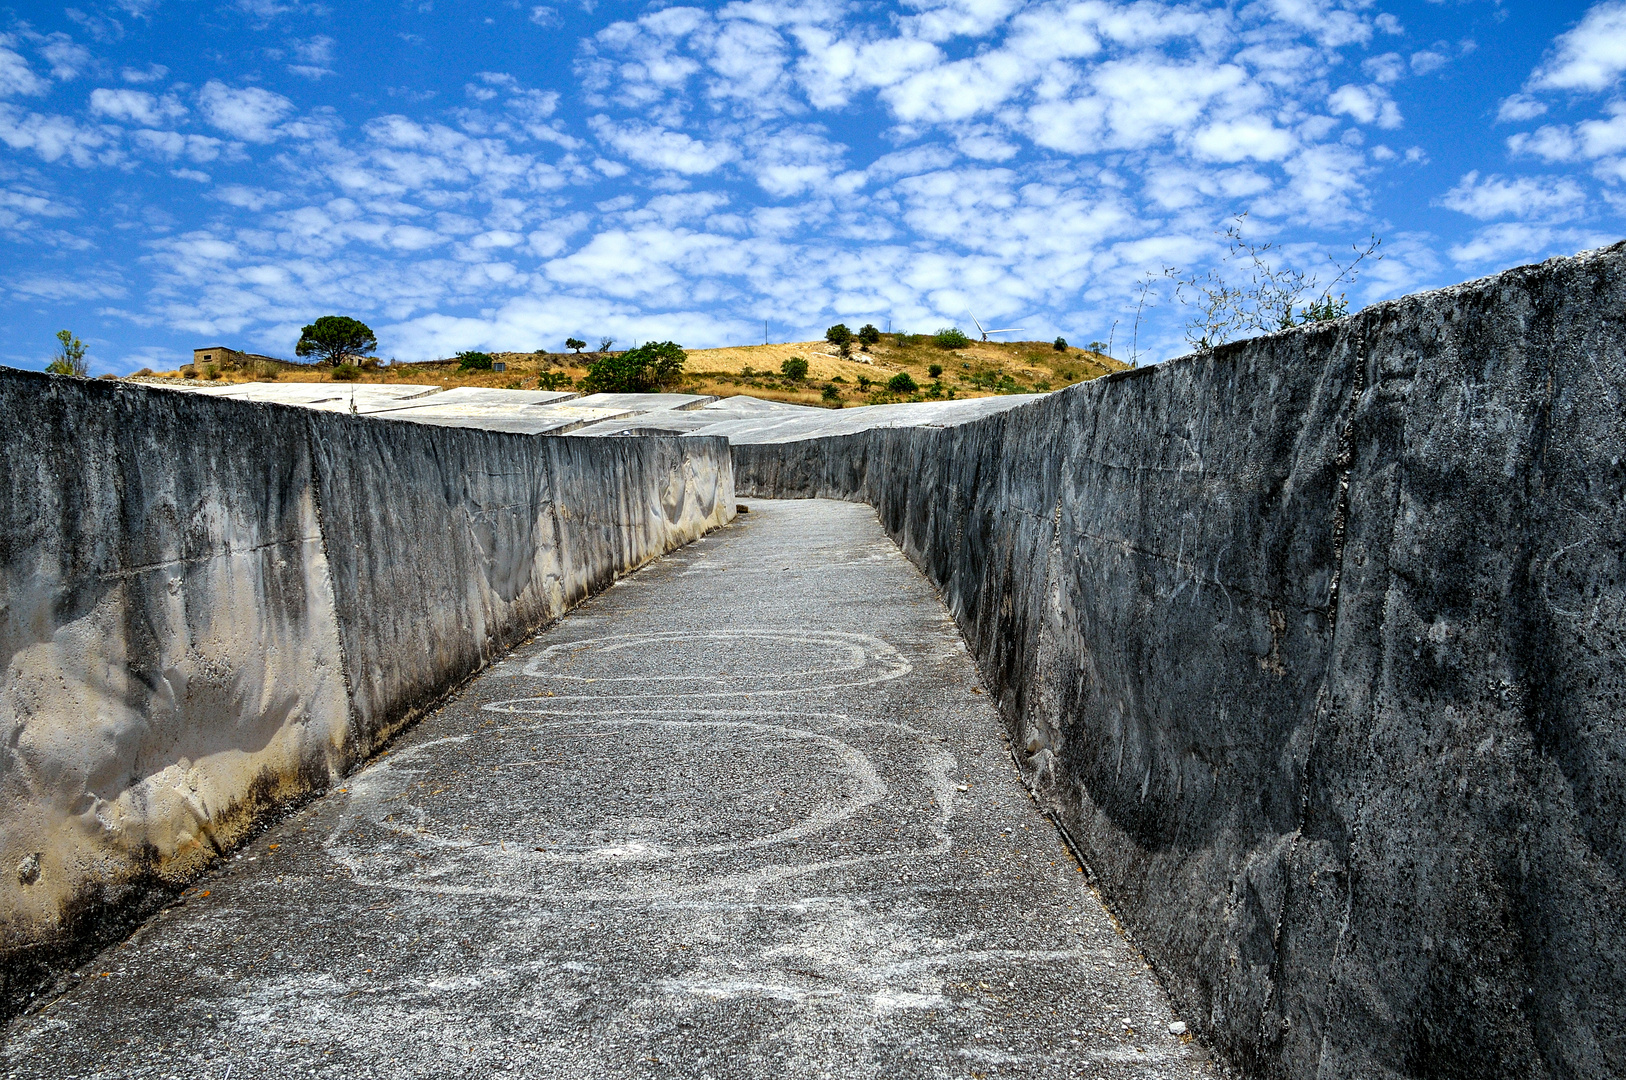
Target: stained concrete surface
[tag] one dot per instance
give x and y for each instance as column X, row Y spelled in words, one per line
column 1317, row 645
column 211, row 609
column 745, row 814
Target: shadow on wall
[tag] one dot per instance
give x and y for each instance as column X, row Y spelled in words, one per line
column 1314, row 645
column 213, row 608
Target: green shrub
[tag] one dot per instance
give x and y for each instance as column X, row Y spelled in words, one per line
column 830, row 393
column 901, row 383
column 936, row 371
column 342, row 373
column 950, row 337
column 1060, row 344
column 865, row 382
column 552, row 380
column 868, row 335
column 794, row 368
column 651, row 367
column 838, row 335
column 70, row 358
column 473, row 361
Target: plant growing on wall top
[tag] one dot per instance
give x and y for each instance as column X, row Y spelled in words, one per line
column 650, row 368
column 1261, row 291
column 336, row 339
column 70, row 356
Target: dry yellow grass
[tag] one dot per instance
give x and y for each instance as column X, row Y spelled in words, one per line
column 980, row 369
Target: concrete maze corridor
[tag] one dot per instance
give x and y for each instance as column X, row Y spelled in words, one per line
column 745, row 814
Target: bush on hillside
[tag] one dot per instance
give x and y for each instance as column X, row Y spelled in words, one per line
column 648, row 369
column 473, row 361
column 950, row 337
column 869, row 335
column 1060, row 344
column 794, row 368
column 901, row 383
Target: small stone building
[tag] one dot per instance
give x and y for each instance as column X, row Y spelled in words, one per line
column 217, row 354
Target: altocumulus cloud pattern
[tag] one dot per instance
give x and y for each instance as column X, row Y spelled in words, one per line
column 505, row 174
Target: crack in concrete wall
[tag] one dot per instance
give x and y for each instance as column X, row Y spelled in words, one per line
column 210, row 609
column 1314, row 645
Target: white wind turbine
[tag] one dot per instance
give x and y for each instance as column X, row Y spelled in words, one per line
column 1007, row 330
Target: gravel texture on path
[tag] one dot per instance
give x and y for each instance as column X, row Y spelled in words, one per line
column 745, row 814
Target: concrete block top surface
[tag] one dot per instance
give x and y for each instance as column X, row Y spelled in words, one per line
column 742, row 419
column 649, row 402
column 751, row 420
column 368, row 397
column 491, row 396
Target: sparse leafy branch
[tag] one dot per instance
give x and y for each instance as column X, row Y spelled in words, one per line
column 70, row 356
column 1267, row 294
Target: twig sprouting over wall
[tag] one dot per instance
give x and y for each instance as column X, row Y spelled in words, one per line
column 1260, row 293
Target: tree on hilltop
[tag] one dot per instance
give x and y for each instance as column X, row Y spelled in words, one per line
column 575, row 345
column 336, row 339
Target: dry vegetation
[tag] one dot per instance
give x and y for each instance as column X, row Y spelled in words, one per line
column 980, row 369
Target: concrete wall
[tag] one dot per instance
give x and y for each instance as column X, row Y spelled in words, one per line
column 1315, row 645
column 184, row 649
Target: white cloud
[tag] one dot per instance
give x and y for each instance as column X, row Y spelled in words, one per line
column 16, row 77
column 1426, row 61
column 249, row 113
column 55, row 138
column 135, row 107
column 68, row 59
column 1513, row 242
column 1254, row 137
column 1588, row 139
column 1517, row 107
column 1365, row 105
column 662, row 149
column 153, row 73
column 1529, row 198
column 1387, row 68
column 1589, row 57
column 173, row 145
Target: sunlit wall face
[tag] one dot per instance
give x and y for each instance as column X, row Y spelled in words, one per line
column 176, row 173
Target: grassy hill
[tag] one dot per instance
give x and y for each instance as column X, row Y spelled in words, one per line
column 979, row 369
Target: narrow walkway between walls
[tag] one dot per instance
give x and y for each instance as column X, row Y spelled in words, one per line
column 746, row 814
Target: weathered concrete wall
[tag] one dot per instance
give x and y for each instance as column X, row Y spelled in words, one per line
column 1314, row 643
column 184, row 648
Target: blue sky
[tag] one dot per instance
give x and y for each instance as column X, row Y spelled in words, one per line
column 461, row 175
